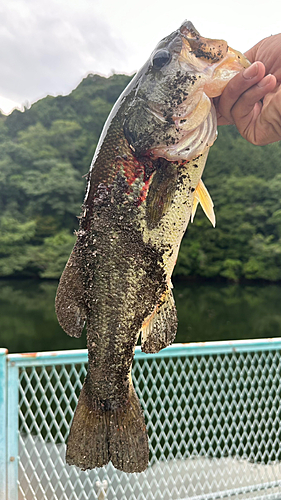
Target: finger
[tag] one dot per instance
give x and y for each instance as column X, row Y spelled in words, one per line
column 237, row 86
column 247, row 108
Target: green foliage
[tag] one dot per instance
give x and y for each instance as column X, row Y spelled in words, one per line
column 245, row 186
column 44, row 153
column 46, row 150
column 49, row 258
column 52, row 187
column 15, row 245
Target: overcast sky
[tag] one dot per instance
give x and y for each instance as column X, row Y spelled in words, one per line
column 48, row 46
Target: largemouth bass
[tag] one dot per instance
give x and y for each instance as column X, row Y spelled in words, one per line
column 143, row 187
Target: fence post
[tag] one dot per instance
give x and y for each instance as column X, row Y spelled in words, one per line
column 102, row 489
column 12, row 429
column 3, row 423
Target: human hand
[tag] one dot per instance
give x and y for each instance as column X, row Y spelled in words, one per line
column 252, row 99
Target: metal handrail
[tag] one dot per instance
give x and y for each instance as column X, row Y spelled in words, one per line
column 194, row 364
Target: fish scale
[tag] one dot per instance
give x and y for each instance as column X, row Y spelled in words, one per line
column 143, row 187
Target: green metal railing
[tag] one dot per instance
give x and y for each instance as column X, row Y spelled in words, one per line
column 213, row 413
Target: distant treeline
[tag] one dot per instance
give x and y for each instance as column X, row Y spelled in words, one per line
column 46, row 150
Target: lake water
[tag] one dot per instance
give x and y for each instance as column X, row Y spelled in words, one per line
column 206, row 311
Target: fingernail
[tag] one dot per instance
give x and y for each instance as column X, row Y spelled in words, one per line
column 264, row 81
column 251, row 71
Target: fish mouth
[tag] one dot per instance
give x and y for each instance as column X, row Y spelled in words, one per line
column 232, row 63
column 204, row 49
column 212, row 58
column 241, row 57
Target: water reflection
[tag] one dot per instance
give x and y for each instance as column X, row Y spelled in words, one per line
column 27, row 318
column 227, row 312
column 206, row 312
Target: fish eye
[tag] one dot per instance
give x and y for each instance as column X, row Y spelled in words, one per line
column 161, row 58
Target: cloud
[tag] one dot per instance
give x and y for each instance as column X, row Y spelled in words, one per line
column 48, row 46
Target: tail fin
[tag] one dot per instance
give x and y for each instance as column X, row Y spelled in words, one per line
column 98, row 435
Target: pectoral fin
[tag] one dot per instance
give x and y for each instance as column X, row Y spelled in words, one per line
column 161, row 193
column 159, row 330
column 203, row 197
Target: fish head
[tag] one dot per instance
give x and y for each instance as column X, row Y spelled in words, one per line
column 171, row 114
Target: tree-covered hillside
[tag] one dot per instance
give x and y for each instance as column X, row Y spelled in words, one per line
column 46, row 150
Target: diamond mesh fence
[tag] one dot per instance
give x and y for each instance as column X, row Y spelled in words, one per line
column 213, row 419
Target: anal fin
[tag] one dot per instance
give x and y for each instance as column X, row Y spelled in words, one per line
column 159, row 329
